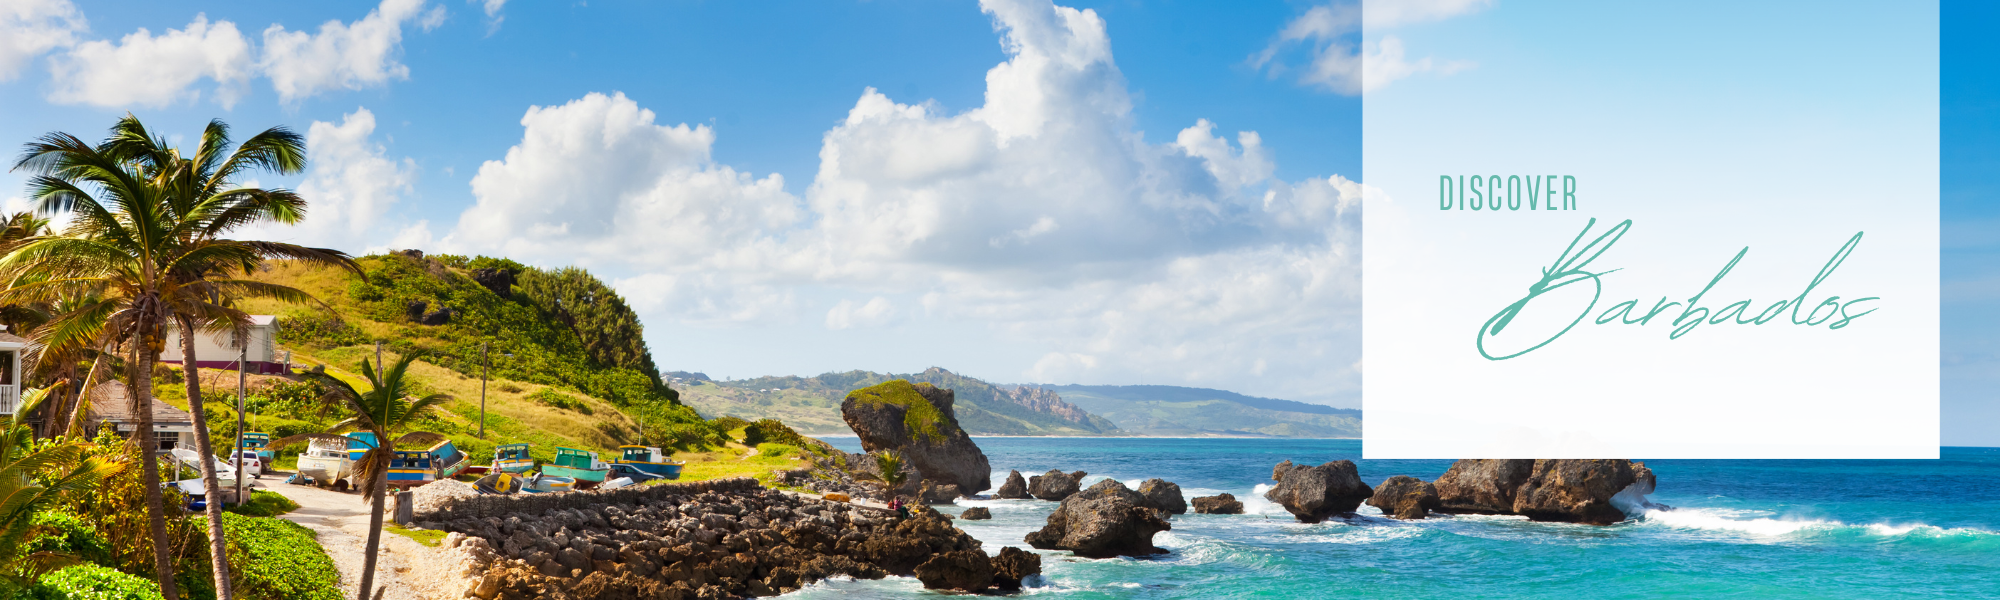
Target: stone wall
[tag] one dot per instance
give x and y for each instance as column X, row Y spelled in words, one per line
column 479, row 507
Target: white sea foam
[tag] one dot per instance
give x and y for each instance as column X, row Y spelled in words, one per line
column 1712, row 519
column 1255, row 504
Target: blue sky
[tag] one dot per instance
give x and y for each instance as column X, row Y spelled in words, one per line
column 1097, row 218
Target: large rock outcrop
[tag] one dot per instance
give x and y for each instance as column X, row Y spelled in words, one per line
column 1106, row 520
column 1314, row 493
column 1014, row 488
column 1219, row 504
column 1405, row 497
column 1054, row 485
column 1163, row 495
column 1582, row 491
column 1593, row 491
column 1012, row 565
column 963, row 570
column 1482, row 486
column 917, row 420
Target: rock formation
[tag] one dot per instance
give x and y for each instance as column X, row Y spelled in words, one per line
column 1163, row 495
column 1220, row 504
column 1405, row 497
column 1314, row 493
column 1480, row 486
column 1565, row 490
column 1045, row 400
column 499, row 281
column 938, row 493
column 1278, row 471
column 1012, row 565
column 1054, row 485
column 976, row 513
column 963, row 570
column 1106, row 520
column 917, row 420
column 1015, row 487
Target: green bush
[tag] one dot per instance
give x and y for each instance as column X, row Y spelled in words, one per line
column 686, row 436
column 265, row 504
column 64, row 533
column 724, row 425
column 774, row 431
column 279, row 559
column 319, row 330
column 92, row 582
column 552, row 398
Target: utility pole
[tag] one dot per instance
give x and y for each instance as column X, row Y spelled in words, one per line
column 485, row 368
column 236, row 455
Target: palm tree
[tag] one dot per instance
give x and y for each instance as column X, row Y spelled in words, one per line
column 387, row 411
column 146, row 251
column 33, row 480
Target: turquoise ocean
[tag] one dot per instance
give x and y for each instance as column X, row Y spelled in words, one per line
column 1739, row 529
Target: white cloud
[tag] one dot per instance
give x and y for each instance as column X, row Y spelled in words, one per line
column 351, row 184
column 343, row 55
column 144, row 70
column 493, row 16
column 878, row 311
column 1342, row 61
column 29, row 28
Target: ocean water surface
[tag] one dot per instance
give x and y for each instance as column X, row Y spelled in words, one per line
column 1740, row 529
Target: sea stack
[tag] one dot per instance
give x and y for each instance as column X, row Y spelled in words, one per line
column 1014, row 488
column 1054, row 485
column 1405, row 497
column 1104, row 521
column 1314, row 493
column 1219, row 504
column 1593, row 491
column 1163, row 495
column 917, row 420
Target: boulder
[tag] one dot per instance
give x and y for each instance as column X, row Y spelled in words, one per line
column 1314, row 493
column 1278, row 471
column 1405, row 497
column 1054, row 485
column 1013, row 565
column 938, row 493
column 1106, row 520
column 1163, row 495
column 976, row 513
column 965, row 570
column 1482, row 486
column 1219, row 504
column 917, row 420
column 1582, row 491
column 1015, row 487
column 499, row 281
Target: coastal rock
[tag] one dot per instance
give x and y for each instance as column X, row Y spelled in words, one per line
column 964, row 570
column 1054, row 485
column 917, row 420
column 1278, row 471
column 1015, row 487
column 1013, row 565
column 976, row 513
column 938, row 493
column 1314, row 493
column 499, row 281
column 1482, row 486
column 1219, row 504
column 1582, row 491
column 1405, row 497
column 1163, row 495
column 1106, row 520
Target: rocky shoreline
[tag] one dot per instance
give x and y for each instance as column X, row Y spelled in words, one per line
column 707, row 540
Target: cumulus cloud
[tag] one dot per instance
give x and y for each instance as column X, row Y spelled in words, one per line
column 1340, row 60
column 1043, row 214
column 493, row 16
column 141, row 69
column 352, row 181
column 344, row 55
column 29, row 28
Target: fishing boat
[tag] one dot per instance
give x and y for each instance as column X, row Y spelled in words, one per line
column 500, row 482
column 581, row 465
column 327, row 462
column 546, row 484
column 259, row 442
column 512, row 458
column 411, row 468
column 650, row 460
column 359, row 443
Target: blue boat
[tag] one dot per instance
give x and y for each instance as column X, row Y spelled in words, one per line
column 512, row 458
column 260, row 443
column 359, row 443
column 412, row 468
column 649, row 460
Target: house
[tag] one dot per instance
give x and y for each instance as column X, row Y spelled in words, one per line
column 110, row 403
column 218, row 350
column 12, row 347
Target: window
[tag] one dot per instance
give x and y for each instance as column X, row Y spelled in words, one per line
column 167, row 439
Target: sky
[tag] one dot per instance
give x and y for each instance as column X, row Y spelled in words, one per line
column 1122, row 192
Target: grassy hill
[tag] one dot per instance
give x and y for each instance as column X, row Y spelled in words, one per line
column 812, row 404
column 1164, row 410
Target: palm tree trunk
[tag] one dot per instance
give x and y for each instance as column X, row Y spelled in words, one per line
column 375, row 516
column 140, row 376
column 218, row 545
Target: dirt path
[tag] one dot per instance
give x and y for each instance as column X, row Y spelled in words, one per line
column 341, row 520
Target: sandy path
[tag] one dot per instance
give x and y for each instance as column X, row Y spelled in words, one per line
column 341, row 520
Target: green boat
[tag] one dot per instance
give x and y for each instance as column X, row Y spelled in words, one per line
column 581, row 465
column 512, row 458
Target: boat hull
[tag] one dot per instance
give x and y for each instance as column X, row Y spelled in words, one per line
column 664, row 470
column 575, row 473
column 548, row 484
column 514, row 466
column 324, row 468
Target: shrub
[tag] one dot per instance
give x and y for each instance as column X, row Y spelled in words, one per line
column 279, row 559
column 724, row 425
column 510, row 388
column 65, row 533
column 319, row 330
column 771, row 430
column 552, row 398
column 264, row 504
column 688, row 436
column 92, row 582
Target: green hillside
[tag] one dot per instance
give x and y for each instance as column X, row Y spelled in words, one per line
column 1181, row 411
column 812, row 404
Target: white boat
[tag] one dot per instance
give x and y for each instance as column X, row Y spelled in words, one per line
column 327, row 462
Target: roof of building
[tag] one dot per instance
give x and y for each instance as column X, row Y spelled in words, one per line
column 8, row 338
column 110, row 401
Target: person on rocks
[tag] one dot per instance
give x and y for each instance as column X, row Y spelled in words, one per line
column 896, row 504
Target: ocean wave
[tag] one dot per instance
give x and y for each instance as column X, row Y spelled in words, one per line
column 1748, row 522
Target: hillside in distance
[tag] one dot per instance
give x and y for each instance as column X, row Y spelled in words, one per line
column 1165, row 410
column 812, row 404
